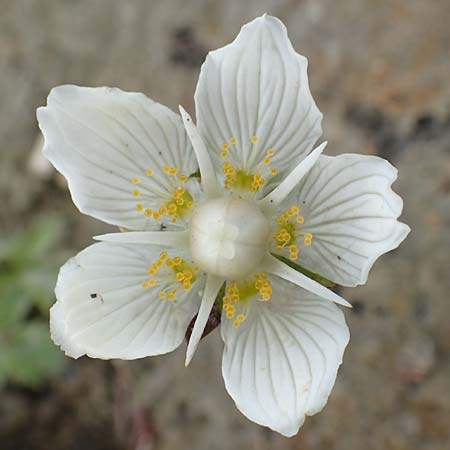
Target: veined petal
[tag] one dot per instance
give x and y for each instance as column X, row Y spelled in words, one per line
column 281, row 363
column 348, row 217
column 108, row 306
column 124, row 155
column 254, row 107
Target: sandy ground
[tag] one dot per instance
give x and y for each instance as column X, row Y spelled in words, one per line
column 379, row 71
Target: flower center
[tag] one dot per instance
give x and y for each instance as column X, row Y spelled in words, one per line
column 229, row 237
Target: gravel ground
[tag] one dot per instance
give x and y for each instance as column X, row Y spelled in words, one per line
column 379, row 71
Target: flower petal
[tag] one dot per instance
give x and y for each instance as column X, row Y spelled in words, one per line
column 253, row 96
column 281, row 363
column 351, row 211
column 117, row 149
column 105, row 310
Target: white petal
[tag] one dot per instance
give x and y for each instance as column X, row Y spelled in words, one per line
column 103, row 311
column 281, row 363
column 257, row 86
column 212, row 288
column 349, row 207
column 103, row 140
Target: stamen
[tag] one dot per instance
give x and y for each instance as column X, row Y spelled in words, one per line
column 238, row 294
column 288, row 232
column 171, row 274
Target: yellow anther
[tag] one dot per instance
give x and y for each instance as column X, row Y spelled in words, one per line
column 308, row 236
column 183, row 178
column 149, row 172
column 300, row 219
column 145, row 284
column 267, row 161
column 174, row 171
column 172, row 296
column 136, row 180
column 236, row 324
column 270, row 152
column 230, row 314
column 166, row 169
column 152, row 282
column 162, row 294
column 295, row 209
column 273, row 171
column 139, row 207
column 156, row 215
column 148, row 212
column 163, row 210
column 187, row 285
column 136, row 193
column 225, row 146
column 170, row 263
column 240, row 317
column 180, row 277
column 223, row 154
column 190, row 204
column 177, row 260
column 163, row 256
column 254, row 139
column 233, row 141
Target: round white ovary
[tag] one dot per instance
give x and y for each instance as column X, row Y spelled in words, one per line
column 229, row 237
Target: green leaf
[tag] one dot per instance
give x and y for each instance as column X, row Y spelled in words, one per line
column 30, row 246
column 31, row 357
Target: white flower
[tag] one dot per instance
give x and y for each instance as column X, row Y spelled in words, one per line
column 263, row 192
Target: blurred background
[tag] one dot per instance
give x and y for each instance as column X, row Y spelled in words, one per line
column 379, row 71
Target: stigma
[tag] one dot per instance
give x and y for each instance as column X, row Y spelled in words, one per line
column 229, row 237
